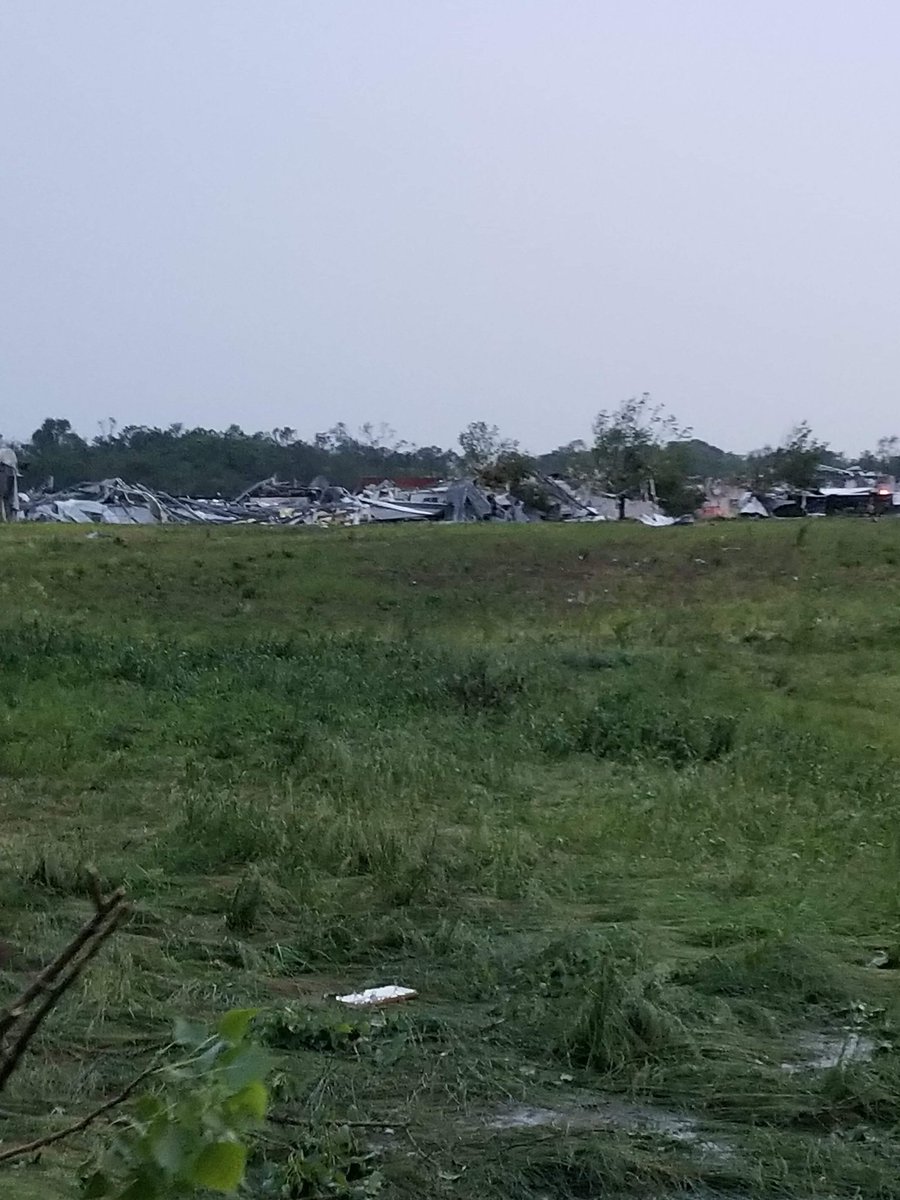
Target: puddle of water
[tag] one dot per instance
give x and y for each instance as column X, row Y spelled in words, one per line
column 523, row 1117
column 822, row 1051
column 612, row 1114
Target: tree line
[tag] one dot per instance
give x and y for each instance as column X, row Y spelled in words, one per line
column 637, row 447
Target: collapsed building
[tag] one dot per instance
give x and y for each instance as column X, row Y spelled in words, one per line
column 840, row 492
column 9, row 484
column 542, row 498
column 821, row 502
column 283, row 502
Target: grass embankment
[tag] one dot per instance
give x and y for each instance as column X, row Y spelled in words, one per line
column 621, row 803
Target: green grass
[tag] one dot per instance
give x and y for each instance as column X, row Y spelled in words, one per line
column 627, row 821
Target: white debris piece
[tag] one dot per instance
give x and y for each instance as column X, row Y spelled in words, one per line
column 378, row 995
column 656, row 520
column 751, row 506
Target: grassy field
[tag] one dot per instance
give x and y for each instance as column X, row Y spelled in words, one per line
column 621, row 803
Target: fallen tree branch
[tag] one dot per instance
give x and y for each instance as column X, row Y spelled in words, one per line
column 44, row 980
column 83, row 1123
column 51, row 986
column 44, row 992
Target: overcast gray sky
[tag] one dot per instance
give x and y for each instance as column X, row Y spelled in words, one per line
column 426, row 212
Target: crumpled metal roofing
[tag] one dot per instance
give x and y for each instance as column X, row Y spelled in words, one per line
column 270, row 502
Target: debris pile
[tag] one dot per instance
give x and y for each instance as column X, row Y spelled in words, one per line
column 838, row 492
column 819, row 502
column 9, row 484
column 115, row 502
column 320, row 503
column 279, row 502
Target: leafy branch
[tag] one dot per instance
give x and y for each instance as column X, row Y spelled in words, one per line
column 186, row 1132
column 28, row 1148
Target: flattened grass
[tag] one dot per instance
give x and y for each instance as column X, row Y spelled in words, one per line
column 627, row 821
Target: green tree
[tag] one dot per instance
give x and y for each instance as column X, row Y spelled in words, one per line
column 629, row 444
column 54, row 433
column 206, row 462
column 794, row 464
column 509, row 470
column 706, row 461
column 884, row 458
column 481, row 444
column 678, row 490
column 800, row 456
column 574, row 459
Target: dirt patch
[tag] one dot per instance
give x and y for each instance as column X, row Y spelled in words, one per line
column 310, row 989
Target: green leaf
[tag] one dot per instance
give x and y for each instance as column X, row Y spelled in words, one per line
column 220, row 1166
column 234, row 1025
column 142, row 1188
column 169, row 1149
column 250, row 1064
column 148, row 1108
column 189, row 1033
column 95, row 1186
column 251, row 1101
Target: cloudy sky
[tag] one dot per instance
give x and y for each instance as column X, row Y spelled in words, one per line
column 426, row 212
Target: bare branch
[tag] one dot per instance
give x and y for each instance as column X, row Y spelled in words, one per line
column 95, row 889
column 10, row 1015
column 102, row 930
column 77, row 1126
